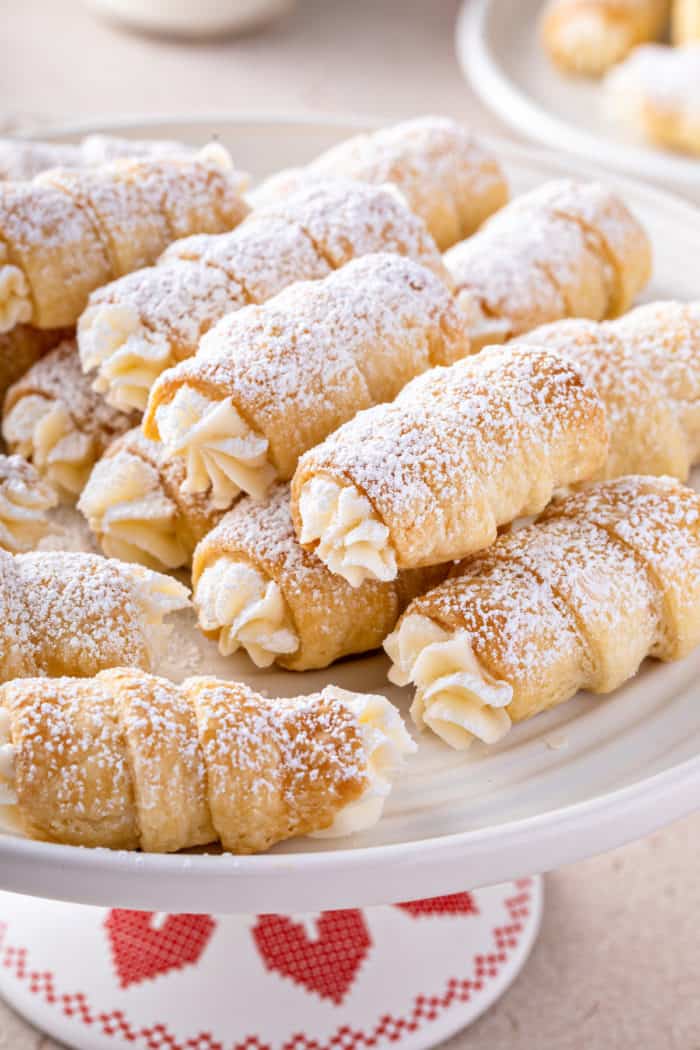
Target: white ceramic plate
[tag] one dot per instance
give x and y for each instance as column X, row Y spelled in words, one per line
column 499, row 50
column 587, row 777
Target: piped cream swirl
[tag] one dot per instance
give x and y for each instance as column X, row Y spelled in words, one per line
column 8, row 795
column 159, row 596
column 387, row 743
column 247, row 609
column 131, row 514
column 455, row 697
column 126, row 357
column 25, row 499
column 42, row 429
column 351, row 540
column 221, row 451
column 15, row 299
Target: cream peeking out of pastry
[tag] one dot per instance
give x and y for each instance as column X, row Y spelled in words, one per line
column 245, row 609
column 223, row 453
column 271, row 381
column 386, row 745
column 348, row 536
column 25, row 499
column 126, row 760
column 54, row 419
column 135, row 504
column 15, row 298
column 455, row 697
column 605, row 578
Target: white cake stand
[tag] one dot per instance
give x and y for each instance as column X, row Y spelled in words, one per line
column 305, row 948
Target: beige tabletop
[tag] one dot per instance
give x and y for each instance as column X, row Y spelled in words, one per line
column 618, row 959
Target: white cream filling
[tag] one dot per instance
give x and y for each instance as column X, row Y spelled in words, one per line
column 454, row 696
column 15, row 300
column 23, row 512
column 221, row 451
column 8, row 752
column 42, row 430
column 132, row 516
column 159, row 596
column 127, row 357
column 248, row 610
column 386, row 744
column 352, row 542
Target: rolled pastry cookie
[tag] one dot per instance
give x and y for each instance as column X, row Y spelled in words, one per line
column 566, row 249
column 685, row 22
column 148, row 321
column 447, row 177
column 646, row 368
column 22, row 347
column 608, row 577
column 460, row 452
column 68, row 231
column 271, row 381
column 77, row 614
column 656, row 92
column 591, row 36
column 135, row 504
column 256, row 588
column 25, row 499
column 126, row 760
column 53, row 418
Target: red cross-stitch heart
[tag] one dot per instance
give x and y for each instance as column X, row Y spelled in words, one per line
column 327, row 965
column 452, row 904
column 143, row 948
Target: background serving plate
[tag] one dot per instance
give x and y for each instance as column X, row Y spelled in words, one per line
column 587, row 777
column 500, row 53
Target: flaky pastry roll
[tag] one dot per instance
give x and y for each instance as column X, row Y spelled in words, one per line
column 606, row 578
column 54, row 418
column 446, row 176
column 566, row 249
column 591, row 36
column 135, row 503
column 25, row 500
column 646, row 368
column 271, row 381
column 461, row 451
column 126, row 761
column 137, row 327
column 656, row 92
column 256, row 588
column 68, row 231
column 76, row 614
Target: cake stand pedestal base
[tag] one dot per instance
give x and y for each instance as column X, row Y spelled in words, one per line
column 407, row 975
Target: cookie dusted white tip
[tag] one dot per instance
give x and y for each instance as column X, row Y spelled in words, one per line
column 248, row 610
column 41, row 429
column 455, row 697
column 127, row 359
column 387, row 744
column 221, row 451
column 132, row 516
column 15, row 300
column 8, row 796
column 160, row 596
column 25, row 499
column 352, row 542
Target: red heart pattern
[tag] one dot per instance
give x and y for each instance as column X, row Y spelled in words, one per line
column 327, row 965
column 147, row 944
column 451, row 904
